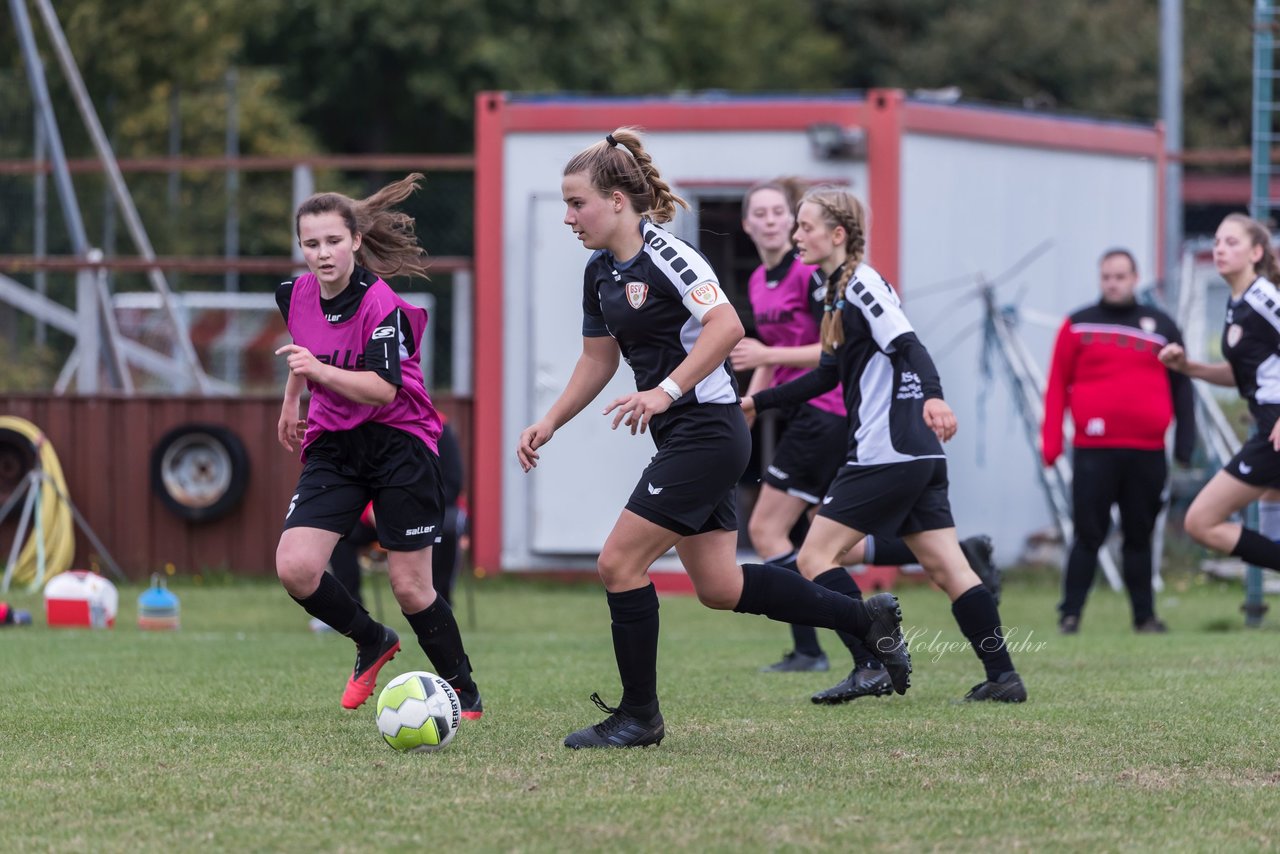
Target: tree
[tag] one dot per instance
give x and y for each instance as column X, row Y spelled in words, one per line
column 372, row 75
column 1089, row 56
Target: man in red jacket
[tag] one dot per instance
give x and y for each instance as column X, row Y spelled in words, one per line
column 1122, row 401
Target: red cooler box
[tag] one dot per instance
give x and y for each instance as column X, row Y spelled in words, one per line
column 80, row 599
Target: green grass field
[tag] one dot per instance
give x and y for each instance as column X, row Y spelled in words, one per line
column 227, row 735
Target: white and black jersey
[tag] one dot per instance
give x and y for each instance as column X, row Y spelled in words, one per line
column 392, row 341
column 653, row 305
column 1251, row 343
column 886, row 373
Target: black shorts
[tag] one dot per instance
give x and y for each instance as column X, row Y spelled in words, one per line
column 690, row 485
column 810, row 452
column 398, row 472
column 891, row 500
column 1256, row 463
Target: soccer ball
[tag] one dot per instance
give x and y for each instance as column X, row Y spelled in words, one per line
column 418, row 711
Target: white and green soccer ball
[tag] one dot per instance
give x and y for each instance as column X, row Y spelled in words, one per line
column 418, row 711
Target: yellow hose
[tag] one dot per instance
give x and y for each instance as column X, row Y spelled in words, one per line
column 59, row 541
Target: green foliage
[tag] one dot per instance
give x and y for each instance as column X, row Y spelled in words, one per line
column 30, row 367
column 406, row 81
column 227, row 735
column 377, row 75
column 1076, row 55
column 138, row 61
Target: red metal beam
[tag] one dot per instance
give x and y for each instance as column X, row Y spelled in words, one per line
column 257, row 163
column 488, row 453
column 187, row 264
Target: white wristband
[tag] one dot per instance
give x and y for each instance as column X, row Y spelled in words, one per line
column 669, row 386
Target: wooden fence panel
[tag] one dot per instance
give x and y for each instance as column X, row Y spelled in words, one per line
column 105, row 444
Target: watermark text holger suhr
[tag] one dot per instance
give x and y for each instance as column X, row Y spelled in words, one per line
column 921, row 642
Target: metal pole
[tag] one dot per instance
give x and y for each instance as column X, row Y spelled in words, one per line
column 173, row 190
column 66, row 191
column 88, row 340
column 41, row 226
column 44, row 109
column 132, row 221
column 462, row 332
column 105, row 280
column 1263, row 73
column 1171, row 113
column 304, row 186
column 231, row 351
column 175, row 149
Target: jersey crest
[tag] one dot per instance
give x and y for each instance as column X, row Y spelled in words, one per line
column 637, row 292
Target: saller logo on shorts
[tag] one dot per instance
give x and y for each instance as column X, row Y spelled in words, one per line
column 636, row 293
column 423, row 529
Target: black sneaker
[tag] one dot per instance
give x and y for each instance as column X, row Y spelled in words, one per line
column 978, row 550
column 861, row 682
column 799, row 662
column 885, row 640
column 472, row 707
column 1069, row 624
column 1007, row 689
column 618, row 730
column 1151, row 626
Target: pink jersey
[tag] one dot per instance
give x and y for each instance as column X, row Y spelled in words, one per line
column 343, row 345
column 787, row 315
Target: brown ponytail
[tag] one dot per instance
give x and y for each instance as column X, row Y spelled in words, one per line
column 1267, row 266
column 619, row 162
column 839, row 208
column 388, row 244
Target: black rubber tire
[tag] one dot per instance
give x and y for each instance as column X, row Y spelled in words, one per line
column 17, row 458
column 200, row 471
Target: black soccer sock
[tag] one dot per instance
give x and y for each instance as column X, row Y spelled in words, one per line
column 839, row 580
column 789, row 597
column 1256, row 549
column 440, row 639
column 635, row 646
column 333, row 604
column 979, row 620
column 887, row 551
column 803, row 638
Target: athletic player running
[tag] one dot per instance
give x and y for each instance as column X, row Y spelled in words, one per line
column 787, row 300
column 370, row 431
column 894, row 481
column 1243, row 254
column 653, row 299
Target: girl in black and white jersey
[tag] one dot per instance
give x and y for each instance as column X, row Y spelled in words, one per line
column 784, row 293
column 1243, row 254
column 651, row 298
column 894, row 481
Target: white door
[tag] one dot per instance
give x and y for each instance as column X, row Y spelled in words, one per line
column 587, row 471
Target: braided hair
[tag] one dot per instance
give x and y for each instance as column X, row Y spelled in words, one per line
column 619, row 162
column 839, row 208
column 388, row 245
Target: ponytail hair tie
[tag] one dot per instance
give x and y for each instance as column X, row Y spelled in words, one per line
column 613, row 143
